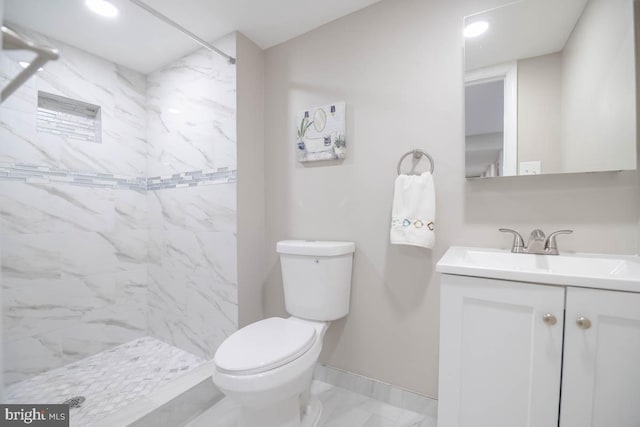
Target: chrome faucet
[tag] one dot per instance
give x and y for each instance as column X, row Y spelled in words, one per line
column 537, row 243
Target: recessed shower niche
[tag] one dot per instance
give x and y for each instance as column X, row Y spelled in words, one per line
column 70, row 118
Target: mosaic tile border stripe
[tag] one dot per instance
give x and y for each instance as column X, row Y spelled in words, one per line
column 192, row 179
column 378, row 390
column 36, row 174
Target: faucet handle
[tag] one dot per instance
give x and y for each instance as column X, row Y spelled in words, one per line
column 550, row 244
column 518, row 242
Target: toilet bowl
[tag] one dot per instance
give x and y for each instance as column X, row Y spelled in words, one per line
column 272, row 384
column 267, row 367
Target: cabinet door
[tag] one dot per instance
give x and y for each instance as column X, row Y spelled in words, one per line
column 601, row 370
column 499, row 360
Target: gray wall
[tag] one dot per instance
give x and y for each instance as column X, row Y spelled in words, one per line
column 251, row 179
column 539, row 111
column 398, row 65
column 598, row 70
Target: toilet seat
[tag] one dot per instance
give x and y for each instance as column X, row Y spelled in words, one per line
column 263, row 346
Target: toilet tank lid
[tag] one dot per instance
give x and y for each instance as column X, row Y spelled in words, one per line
column 315, row 247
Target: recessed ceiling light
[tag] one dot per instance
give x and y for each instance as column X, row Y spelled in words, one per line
column 24, row 64
column 174, row 111
column 102, row 8
column 475, row 29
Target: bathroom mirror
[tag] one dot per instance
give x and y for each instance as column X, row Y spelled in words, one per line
column 550, row 88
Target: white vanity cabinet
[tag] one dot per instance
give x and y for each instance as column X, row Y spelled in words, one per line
column 601, row 370
column 500, row 363
column 517, row 354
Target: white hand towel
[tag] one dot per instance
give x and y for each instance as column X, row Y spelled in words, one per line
column 414, row 211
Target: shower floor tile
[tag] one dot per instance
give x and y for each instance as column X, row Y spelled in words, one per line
column 341, row 408
column 108, row 380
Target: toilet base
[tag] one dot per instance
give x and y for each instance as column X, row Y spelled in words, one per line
column 313, row 412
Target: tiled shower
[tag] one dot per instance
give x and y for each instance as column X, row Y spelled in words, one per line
column 107, row 240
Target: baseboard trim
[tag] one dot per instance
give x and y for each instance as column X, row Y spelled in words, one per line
column 378, row 390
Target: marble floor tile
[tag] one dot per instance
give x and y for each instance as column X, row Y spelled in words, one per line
column 341, row 408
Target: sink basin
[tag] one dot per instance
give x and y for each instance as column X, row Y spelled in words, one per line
column 619, row 272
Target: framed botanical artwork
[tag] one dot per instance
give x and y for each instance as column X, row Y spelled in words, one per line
column 320, row 133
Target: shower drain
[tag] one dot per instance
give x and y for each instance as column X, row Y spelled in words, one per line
column 74, row 402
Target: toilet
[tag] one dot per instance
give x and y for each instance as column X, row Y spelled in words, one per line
column 267, row 367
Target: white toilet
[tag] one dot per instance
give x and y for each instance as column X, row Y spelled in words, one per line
column 268, row 366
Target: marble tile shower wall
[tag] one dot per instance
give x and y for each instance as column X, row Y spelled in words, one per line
column 74, row 273
column 191, row 124
column 191, row 115
column 79, row 75
column 193, row 298
column 74, row 257
column 88, row 240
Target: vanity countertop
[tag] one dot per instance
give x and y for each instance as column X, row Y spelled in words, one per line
column 602, row 271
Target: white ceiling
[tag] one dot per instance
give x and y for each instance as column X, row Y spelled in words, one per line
column 139, row 41
column 524, row 29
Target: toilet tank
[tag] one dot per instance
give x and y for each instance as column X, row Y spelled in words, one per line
column 317, row 278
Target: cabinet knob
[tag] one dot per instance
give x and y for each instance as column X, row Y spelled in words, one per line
column 549, row 319
column 583, row 322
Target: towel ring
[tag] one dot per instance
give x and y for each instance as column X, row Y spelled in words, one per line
column 417, row 154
